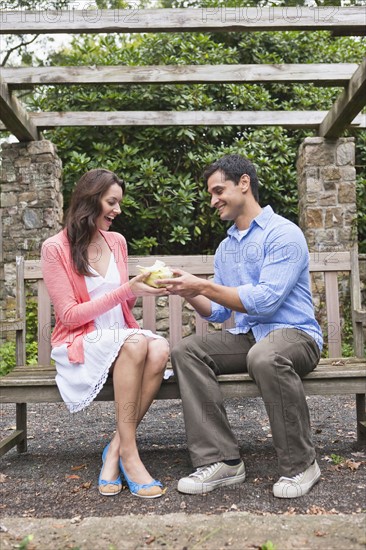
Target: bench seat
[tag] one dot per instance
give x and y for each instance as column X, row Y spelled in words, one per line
column 36, row 384
column 334, row 376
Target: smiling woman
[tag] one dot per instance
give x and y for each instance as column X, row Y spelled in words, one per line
column 95, row 335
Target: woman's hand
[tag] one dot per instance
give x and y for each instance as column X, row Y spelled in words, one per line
column 140, row 288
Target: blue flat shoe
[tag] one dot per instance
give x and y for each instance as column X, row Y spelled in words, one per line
column 108, row 488
column 148, row 490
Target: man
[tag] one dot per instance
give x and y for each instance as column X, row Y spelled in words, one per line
column 260, row 273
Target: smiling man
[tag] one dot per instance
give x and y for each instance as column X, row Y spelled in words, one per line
column 262, row 274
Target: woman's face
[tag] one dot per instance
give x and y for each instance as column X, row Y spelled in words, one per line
column 110, row 207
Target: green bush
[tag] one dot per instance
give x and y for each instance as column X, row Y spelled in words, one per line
column 163, row 165
column 7, row 350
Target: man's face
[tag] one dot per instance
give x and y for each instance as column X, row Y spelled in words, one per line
column 226, row 197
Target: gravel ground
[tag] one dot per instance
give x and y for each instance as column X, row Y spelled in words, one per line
column 57, row 477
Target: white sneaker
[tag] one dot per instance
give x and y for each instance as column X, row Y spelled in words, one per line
column 208, row 478
column 299, row 485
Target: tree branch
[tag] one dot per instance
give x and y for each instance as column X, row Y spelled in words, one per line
column 9, row 52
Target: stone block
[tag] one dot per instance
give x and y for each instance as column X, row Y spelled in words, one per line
column 316, row 140
column 8, row 176
column 45, row 196
column 314, row 218
column 31, row 218
column 347, row 193
column 22, row 162
column 8, row 199
column 162, row 313
column 333, row 217
column 319, row 155
column 330, row 173
column 346, row 236
column 312, row 185
column 345, row 153
column 329, row 185
column 45, row 158
column 327, row 199
column 29, row 198
column 186, row 331
column 50, row 218
column 348, row 173
column 8, row 152
column 40, row 147
column 162, row 324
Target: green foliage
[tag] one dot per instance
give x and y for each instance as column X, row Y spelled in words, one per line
column 24, row 543
column 166, row 208
column 268, row 546
column 337, row 459
column 7, row 358
column 7, row 350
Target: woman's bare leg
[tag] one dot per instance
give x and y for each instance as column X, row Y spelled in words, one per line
column 157, row 357
column 137, row 375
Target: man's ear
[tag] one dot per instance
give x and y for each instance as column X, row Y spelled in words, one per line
column 244, row 182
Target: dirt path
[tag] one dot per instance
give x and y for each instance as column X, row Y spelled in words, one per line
column 236, row 530
column 44, row 490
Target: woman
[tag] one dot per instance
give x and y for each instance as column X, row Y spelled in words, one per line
column 85, row 271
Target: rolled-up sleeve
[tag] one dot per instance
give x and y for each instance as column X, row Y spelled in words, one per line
column 285, row 258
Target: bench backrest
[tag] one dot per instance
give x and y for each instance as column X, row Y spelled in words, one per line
column 331, row 264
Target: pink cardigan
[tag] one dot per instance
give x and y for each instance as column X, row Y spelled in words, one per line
column 74, row 311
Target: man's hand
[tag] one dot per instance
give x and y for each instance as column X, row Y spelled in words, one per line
column 200, row 292
column 184, row 284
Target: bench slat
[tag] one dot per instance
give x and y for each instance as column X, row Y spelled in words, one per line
column 334, row 322
column 148, row 313
column 47, row 391
column 203, row 265
column 28, row 376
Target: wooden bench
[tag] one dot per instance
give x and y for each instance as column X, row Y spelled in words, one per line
column 334, row 375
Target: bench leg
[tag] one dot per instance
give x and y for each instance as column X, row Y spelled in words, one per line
column 21, row 414
column 19, row 436
column 361, row 418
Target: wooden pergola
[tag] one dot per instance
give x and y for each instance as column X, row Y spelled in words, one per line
column 345, row 112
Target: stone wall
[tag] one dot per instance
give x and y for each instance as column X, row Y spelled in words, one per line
column 327, row 209
column 327, row 193
column 31, row 207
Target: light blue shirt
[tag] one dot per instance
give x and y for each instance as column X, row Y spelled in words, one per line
column 269, row 265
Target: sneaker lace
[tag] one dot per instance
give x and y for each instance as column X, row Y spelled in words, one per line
column 204, row 471
column 294, row 479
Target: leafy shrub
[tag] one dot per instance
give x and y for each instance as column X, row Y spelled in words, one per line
column 163, row 165
column 7, row 350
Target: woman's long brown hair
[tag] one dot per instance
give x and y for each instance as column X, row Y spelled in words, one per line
column 84, row 209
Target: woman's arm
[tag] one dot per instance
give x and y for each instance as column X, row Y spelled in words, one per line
column 68, row 305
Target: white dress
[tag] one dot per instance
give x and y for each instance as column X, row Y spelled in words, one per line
column 80, row 383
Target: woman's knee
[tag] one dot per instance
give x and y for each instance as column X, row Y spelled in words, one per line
column 158, row 353
column 135, row 347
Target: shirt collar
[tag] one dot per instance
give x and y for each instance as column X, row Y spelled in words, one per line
column 261, row 220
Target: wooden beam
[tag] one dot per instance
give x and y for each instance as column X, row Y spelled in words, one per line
column 347, row 106
column 322, row 74
column 14, row 116
column 341, row 20
column 286, row 119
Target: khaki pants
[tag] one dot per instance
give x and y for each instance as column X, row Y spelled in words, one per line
column 276, row 363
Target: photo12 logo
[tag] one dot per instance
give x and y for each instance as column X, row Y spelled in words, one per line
column 270, row 14
column 73, row 12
